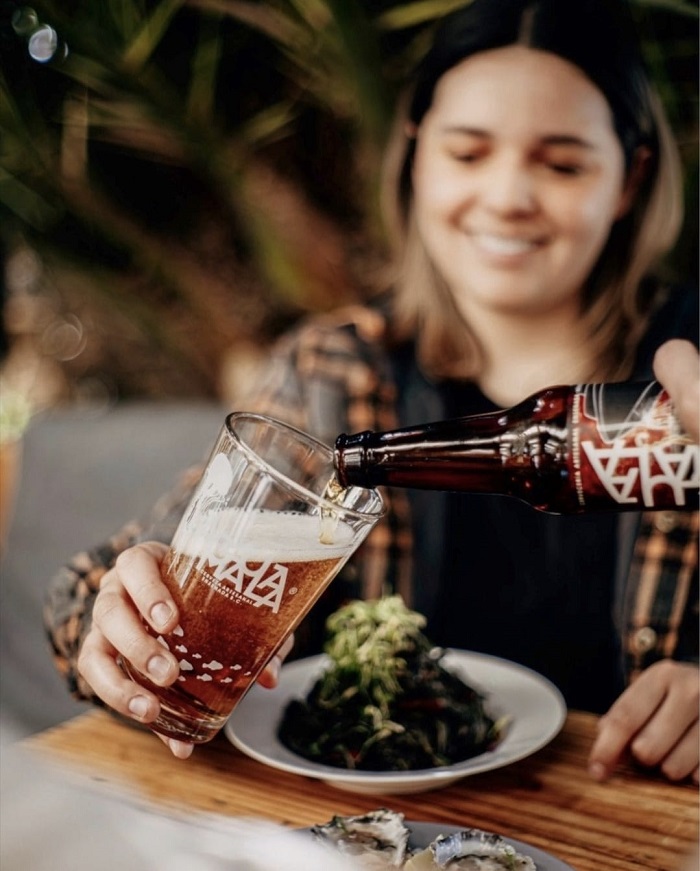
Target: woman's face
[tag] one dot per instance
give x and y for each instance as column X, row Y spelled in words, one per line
column 518, row 177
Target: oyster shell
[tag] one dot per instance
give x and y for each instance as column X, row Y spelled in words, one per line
column 470, row 850
column 377, row 840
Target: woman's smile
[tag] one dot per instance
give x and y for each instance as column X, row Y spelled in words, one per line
column 504, row 248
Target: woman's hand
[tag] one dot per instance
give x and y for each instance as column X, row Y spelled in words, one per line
column 131, row 590
column 656, row 720
column 677, row 367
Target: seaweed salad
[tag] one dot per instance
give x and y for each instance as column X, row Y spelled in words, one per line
column 386, row 702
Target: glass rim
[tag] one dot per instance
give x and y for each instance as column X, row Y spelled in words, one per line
column 288, row 482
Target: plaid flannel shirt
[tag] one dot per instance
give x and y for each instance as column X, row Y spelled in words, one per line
column 333, row 375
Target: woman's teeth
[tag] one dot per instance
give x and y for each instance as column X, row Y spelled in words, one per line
column 504, row 244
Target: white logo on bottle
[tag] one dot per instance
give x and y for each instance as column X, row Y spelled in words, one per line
column 628, row 471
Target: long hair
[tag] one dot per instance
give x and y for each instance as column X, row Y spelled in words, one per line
column 599, row 38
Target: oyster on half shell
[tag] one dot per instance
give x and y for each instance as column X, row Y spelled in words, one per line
column 376, row 840
column 470, row 850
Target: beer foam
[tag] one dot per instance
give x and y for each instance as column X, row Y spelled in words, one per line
column 264, row 535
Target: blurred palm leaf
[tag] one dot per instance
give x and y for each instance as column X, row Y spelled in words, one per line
column 209, row 168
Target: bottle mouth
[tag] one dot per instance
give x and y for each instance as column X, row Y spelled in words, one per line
column 350, row 459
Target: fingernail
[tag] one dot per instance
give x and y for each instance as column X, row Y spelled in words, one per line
column 158, row 667
column 138, row 706
column 160, row 614
column 180, row 748
column 597, row 771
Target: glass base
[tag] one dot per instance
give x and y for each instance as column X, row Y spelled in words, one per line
column 192, row 729
column 182, row 716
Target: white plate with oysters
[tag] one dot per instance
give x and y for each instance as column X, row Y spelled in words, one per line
column 383, row 839
column 531, row 706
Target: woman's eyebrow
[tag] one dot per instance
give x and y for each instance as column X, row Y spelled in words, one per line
column 567, row 139
column 466, row 131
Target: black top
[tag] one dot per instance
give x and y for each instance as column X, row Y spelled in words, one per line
column 531, row 587
column 496, row 576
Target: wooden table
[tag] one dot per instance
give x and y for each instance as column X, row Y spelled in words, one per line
column 634, row 821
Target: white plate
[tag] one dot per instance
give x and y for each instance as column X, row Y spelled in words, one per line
column 534, row 706
column 423, row 833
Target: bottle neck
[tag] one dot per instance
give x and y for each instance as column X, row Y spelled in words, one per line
column 489, row 453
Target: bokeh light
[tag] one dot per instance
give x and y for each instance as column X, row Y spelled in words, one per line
column 43, row 43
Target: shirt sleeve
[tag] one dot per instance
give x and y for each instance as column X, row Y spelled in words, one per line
column 661, row 609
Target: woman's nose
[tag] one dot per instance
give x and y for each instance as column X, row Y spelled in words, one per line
column 509, row 188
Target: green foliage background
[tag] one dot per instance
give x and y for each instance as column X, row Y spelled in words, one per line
column 197, row 174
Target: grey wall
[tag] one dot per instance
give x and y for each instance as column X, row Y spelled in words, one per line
column 84, row 473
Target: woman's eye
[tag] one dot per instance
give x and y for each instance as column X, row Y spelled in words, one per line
column 465, row 156
column 566, row 168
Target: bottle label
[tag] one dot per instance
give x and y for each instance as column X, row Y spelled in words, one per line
column 628, row 447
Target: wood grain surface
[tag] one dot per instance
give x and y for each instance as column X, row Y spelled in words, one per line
column 634, row 821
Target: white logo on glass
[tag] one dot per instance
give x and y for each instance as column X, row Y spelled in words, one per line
column 263, row 585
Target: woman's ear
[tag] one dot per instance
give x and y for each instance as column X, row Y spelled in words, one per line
column 639, row 168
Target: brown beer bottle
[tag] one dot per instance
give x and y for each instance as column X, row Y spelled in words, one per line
column 564, row 450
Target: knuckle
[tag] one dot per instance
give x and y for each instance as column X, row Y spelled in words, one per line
column 619, row 718
column 106, row 605
column 136, row 646
column 664, row 668
column 138, row 573
column 85, row 656
column 126, row 559
column 108, row 579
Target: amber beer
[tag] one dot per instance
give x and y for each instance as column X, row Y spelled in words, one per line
column 259, row 542
column 568, row 450
column 236, row 613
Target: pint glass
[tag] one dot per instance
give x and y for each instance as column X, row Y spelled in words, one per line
column 254, row 550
